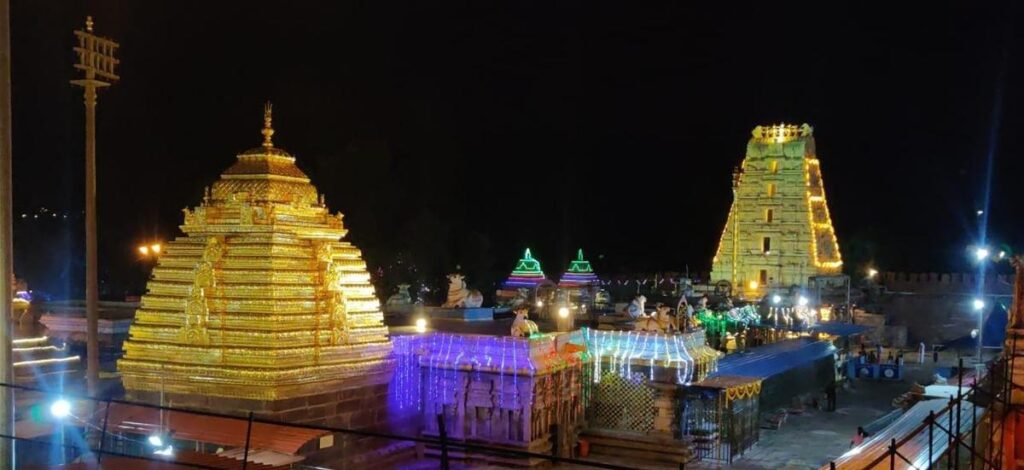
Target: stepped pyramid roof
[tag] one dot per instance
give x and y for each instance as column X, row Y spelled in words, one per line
column 579, row 274
column 527, row 273
column 261, row 298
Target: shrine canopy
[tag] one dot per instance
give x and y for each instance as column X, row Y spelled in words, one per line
column 527, row 273
column 579, row 274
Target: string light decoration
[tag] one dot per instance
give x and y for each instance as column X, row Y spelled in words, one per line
column 781, row 173
column 681, row 358
column 527, row 273
column 262, row 298
column 579, row 274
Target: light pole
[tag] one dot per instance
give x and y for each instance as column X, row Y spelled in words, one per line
column 982, row 254
column 96, row 60
column 978, row 305
column 6, row 236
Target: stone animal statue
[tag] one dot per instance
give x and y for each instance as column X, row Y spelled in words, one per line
column 636, row 307
column 459, row 296
column 522, row 298
column 660, row 321
column 522, row 327
column 402, row 297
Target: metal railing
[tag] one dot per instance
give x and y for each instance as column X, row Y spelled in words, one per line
column 994, row 389
column 107, row 440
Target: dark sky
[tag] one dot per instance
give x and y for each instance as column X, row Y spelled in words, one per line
column 608, row 125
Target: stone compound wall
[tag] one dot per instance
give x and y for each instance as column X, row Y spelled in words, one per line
column 945, row 283
column 937, row 307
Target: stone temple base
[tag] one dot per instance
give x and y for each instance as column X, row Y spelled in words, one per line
column 363, row 407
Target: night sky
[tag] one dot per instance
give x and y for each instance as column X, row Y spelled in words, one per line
column 462, row 132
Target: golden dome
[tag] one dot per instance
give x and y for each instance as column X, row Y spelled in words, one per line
column 261, row 298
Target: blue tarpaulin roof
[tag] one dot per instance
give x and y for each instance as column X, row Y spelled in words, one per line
column 766, row 361
column 839, row 329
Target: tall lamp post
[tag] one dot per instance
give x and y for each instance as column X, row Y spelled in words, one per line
column 96, row 60
column 6, row 235
column 982, row 255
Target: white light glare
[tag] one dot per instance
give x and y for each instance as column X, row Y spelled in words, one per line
column 167, row 451
column 563, row 312
column 421, row 325
column 978, row 304
column 155, row 441
column 776, row 299
column 872, row 272
column 540, row 304
column 802, row 301
column 981, row 253
column 60, row 409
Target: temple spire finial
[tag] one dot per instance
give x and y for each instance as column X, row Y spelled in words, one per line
column 88, row 24
column 268, row 129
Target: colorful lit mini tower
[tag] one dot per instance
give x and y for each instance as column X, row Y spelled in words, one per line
column 527, row 273
column 779, row 231
column 579, row 274
column 260, row 302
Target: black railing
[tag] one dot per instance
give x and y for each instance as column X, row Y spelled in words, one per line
column 994, row 388
column 82, row 446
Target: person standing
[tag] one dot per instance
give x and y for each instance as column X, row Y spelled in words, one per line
column 830, row 393
column 858, row 438
column 920, row 357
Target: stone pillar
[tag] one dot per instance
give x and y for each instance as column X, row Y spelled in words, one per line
column 665, row 403
column 1013, row 451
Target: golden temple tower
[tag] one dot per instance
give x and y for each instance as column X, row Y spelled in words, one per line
column 261, row 299
column 779, row 212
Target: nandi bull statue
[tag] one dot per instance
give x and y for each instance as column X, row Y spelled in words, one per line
column 659, row 322
column 402, row 297
column 522, row 327
column 636, row 307
column 461, row 297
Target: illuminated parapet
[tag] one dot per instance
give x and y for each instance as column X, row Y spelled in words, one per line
column 779, row 231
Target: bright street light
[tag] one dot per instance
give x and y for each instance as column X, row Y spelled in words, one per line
column 421, row 325
column 978, row 304
column 60, row 409
column 753, row 285
column 152, row 249
column 802, row 301
column 981, row 253
column 540, row 304
column 563, row 312
column 872, row 272
column 776, row 299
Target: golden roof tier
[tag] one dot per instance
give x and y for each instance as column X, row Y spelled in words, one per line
column 262, row 298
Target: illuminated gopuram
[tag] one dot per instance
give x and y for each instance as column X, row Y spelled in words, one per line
column 779, row 212
column 260, row 304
